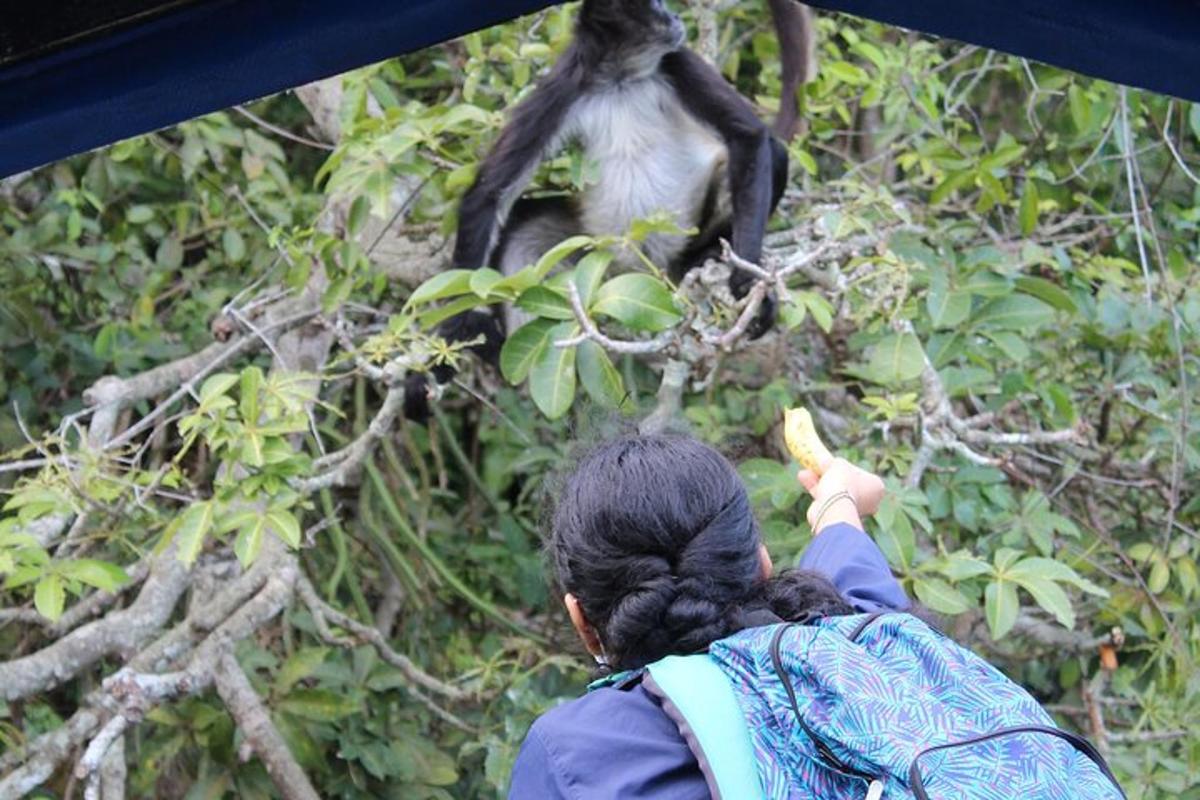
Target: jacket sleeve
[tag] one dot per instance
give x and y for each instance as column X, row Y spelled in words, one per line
column 536, row 774
column 856, row 566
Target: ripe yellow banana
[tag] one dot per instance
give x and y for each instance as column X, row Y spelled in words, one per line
column 802, row 440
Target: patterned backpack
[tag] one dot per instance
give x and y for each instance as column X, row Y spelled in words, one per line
column 868, row 706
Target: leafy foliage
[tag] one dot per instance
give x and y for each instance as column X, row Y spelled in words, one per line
column 984, row 205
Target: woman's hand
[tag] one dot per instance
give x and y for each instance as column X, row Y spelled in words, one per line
column 843, row 493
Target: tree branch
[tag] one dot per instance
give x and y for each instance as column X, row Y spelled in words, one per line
column 254, row 721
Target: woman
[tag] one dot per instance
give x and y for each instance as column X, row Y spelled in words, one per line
column 656, row 550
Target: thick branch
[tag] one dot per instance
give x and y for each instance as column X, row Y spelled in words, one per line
column 122, row 631
column 254, row 721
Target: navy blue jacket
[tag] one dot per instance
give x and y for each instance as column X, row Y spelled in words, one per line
column 618, row 744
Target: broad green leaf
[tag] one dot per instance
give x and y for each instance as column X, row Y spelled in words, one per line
column 895, row 359
column 285, row 525
column 249, row 540
column 1081, row 108
column 484, row 281
column 359, row 212
column 1029, row 208
column 1000, row 605
column 948, row 309
column 846, row 72
column 445, row 284
column 961, row 566
column 1047, row 292
column 639, row 301
column 590, row 273
column 170, row 253
column 299, row 666
column 318, row 705
column 542, row 301
column 599, row 377
column 552, row 379
column 191, row 528
column 1048, row 569
column 555, row 255
column 1160, row 576
column 49, row 597
column 940, row 596
column 234, row 245
column 1016, row 312
column 100, row 574
column 895, row 536
column 1050, row 596
column 252, row 381
column 217, row 385
column 1011, row 344
column 522, row 350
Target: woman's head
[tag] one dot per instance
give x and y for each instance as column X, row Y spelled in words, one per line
column 655, row 544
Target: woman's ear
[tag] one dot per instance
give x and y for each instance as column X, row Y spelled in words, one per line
column 591, row 640
column 764, row 563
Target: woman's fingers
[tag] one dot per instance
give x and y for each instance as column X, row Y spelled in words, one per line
column 809, row 479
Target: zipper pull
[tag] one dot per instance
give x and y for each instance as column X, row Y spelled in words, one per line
column 875, row 790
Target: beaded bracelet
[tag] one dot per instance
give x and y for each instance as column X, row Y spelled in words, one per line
column 828, row 503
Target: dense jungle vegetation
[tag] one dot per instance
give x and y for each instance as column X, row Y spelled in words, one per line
column 221, row 544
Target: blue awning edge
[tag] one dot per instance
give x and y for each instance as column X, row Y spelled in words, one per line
column 219, row 53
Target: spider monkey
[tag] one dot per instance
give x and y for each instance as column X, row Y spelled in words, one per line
column 666, row 132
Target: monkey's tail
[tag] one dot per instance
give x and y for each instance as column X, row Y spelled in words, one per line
column 796, row 29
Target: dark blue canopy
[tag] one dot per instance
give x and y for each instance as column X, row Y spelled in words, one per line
column 77, row 74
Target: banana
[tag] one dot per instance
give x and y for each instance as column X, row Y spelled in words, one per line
column 802, row 440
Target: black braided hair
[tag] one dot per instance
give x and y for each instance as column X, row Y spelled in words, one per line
column 656, row 538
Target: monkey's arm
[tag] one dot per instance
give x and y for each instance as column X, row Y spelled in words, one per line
column 706, row 95
column 535, row 128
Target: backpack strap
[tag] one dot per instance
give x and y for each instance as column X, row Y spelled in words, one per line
column 700, row 700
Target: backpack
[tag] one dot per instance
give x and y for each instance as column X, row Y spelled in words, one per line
column 876, row 706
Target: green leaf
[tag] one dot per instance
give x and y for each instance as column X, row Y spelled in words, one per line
column 299, row 666
column 249, row 539
column 639, row 301
column 1081, row 108
column 359, row 211
column 542, row 301
column 1015, row 312
column 216, row 386
column 940, row 596
column 170, row 253
column 552, row 379
column 1194, row 119
column 895, row 536
column 895, row 359
column 555, row 255
column 445, row 284
column 318, row 705
column 949, row 308
column 1000, row 605
column 191, row 528
column 49, row 597
column 1011, row 344
column 1029, row 208
column 100, row 574
column 1047, row 292
column 846, row 72
column 285, row 525
column 1050, row 596
column 590, row 273
column 252, row 381
column 484, row 281
column 523, row 349
column 234, row 245
column 1048, row 569
column 599, row 377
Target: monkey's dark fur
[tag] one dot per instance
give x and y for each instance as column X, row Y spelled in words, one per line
column 665, row 131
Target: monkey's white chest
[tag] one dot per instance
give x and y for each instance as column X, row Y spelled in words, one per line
column 650, row 156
